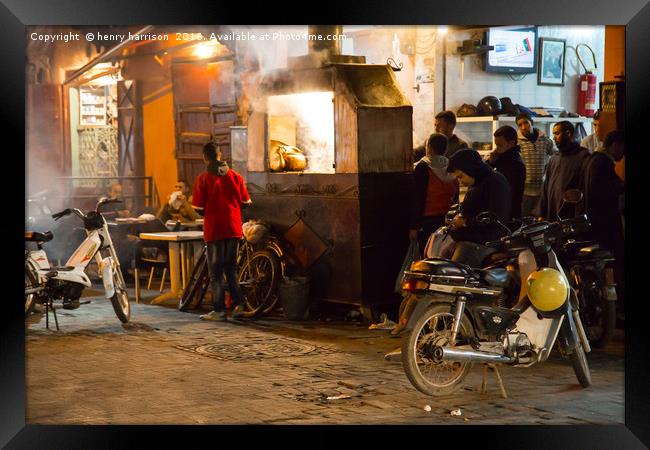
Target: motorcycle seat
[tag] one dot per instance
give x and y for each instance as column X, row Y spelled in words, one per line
column 36, row 236
column 497, row 277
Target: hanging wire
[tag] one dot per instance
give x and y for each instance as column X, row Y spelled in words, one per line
column 580, row 59
column 517, row 79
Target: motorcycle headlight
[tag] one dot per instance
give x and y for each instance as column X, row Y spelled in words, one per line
column 547, row 289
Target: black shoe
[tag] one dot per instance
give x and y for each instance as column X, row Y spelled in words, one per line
column 71, row 304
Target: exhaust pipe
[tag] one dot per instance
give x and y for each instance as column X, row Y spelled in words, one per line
column 468, row 354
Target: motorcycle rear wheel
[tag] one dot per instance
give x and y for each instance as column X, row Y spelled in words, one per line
column 434, row 328
column 580, row 366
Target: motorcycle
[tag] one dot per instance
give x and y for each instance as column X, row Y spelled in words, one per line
column 592, row 276
column 457, row 322
column 45, row 283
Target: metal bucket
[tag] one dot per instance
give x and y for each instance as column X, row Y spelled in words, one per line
column 294, row 296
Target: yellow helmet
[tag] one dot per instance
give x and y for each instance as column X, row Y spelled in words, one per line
column 547, row 289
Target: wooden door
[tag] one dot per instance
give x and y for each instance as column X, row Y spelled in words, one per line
column 204, row 107
column 222, row 104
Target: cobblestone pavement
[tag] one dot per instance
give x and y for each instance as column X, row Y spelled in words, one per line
column 169, row 367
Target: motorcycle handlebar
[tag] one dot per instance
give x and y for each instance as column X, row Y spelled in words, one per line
column 105, row 201
column 495, row 244
column 67, row 212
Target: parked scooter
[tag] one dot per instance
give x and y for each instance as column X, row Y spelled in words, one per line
column 456, row 321
column 44, row 283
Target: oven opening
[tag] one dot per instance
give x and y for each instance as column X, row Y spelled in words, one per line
column 301, row 132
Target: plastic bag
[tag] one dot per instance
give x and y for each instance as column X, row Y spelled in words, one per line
column 440, row 244
column 412, row 254
column 255, row 231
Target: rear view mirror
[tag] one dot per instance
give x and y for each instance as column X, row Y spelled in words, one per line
column 573, row 196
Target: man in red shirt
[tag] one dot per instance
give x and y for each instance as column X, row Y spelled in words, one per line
column 434, row 191
column 221, row 192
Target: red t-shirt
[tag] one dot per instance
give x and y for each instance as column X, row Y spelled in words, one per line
column 221, row 197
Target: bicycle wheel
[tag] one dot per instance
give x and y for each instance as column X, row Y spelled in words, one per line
column 275, row 296
column 197, row 286
column 258, row 280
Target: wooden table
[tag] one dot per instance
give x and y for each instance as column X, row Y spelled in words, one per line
column 194, row 225
column 181, row 255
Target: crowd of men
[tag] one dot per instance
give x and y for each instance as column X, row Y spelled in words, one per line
column 527, row 174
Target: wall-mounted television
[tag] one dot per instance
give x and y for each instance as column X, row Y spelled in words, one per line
column 515, row 49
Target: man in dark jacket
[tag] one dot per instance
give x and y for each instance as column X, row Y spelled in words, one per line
column 488, row 191
column 602, row 187
column 434, row 191
column 562, row 172
column 506, row 159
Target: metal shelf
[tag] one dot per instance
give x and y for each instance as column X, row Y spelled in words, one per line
column 512, row 119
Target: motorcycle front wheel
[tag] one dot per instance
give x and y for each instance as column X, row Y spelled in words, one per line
column 580, row 366
column 433, row 329
column 120, row 299
column 30, row 283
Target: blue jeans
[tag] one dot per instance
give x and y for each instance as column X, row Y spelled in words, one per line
column 222, row 259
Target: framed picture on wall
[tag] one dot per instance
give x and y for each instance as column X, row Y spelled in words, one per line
column 551, row 62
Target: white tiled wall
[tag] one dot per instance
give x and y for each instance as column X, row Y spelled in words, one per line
column 376, row 43
column 477, row 83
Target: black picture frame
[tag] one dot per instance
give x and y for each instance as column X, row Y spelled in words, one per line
column 16, row 14
column 550, row 66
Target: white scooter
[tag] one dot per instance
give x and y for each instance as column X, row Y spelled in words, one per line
column 44, row 283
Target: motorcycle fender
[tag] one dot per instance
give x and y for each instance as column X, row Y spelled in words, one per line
column 73, row 276
column 422, row 303
column 86, row 251
column 107, row 276
column 39, row 258
column 569, row 333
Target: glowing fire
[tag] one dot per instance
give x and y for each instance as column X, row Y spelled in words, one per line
column 305, row 120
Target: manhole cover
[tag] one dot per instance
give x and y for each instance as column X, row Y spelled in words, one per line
column 269, row 348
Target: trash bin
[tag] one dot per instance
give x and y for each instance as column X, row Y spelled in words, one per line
column 294, row 296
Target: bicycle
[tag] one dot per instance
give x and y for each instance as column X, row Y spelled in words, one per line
column 259, row 275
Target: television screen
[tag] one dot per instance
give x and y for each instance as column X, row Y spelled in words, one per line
column 515, row 49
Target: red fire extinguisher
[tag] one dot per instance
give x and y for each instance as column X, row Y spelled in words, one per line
column 587, row 87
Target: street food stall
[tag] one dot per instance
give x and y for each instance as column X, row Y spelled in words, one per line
column 327, row 165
